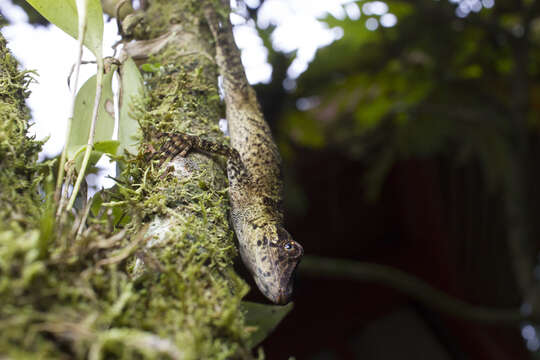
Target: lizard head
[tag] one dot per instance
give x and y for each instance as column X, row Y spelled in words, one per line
column 275, row 260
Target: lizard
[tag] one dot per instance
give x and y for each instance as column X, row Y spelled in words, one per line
column 253, row 169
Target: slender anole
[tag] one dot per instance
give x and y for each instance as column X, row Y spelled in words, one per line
column 254, row 172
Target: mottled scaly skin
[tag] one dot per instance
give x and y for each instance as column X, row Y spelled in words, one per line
column 254, row 172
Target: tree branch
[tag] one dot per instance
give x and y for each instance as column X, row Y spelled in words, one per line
column 410, row 285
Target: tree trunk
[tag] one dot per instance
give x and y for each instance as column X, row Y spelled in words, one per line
column 149, row 272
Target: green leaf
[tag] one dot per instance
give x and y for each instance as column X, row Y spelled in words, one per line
column 131, row 87
column 103, row 147
column 265, row 318
column 107, row 147
column 120, row 215
column 82, row 118
column 97, row 200
column 47, row 221
column 63, row 13
column 151, row 68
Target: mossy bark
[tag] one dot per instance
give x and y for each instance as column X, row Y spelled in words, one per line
column 149, row 273
column 18, row 154
column 185, row 199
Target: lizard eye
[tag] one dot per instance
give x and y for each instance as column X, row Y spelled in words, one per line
column 293, row 249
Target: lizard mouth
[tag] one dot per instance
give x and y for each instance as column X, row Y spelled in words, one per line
column 286, row 284
column 279, row 288
column 283, row 298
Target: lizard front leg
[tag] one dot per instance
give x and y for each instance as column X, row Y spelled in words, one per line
column 180, row 144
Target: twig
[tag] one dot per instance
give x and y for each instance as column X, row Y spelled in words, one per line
column 83, row 62
column 127, row 251
column 84, row 216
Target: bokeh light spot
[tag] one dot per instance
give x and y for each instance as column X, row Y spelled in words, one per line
column 353, row 11
column 388, row 20
column 372, row 24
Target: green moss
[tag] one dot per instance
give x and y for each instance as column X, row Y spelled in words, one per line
column 19, row 173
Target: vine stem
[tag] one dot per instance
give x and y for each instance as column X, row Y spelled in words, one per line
column 91, row 135
column 81, row 11
column 412, row 286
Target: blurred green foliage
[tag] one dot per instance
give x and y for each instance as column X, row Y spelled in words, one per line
column 434, row 84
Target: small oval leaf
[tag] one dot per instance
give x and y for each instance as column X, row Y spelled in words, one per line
column 82, row 118
column 131, row 87
column 63, row 13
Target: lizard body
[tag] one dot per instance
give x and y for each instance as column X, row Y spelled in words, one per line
column 254, row 172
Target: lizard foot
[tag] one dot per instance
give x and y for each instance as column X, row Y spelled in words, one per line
column 175, row 144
